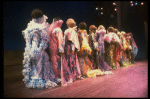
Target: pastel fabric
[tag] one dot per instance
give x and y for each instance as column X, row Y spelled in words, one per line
column 56, row 46
column 134, row 47
column 123, row 59
column 94, row 54
column 111, row 39
column 37, row 70
column 85, row 63
column 72, row 45
column 100, row 39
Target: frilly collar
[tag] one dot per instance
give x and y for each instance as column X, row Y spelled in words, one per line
column 102, row 31
column 38, row 23
column 40, row 20
column 55, row 25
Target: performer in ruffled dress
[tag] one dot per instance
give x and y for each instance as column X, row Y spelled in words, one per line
column 110, row 40
column 56, row 45
column 85, row 64
column 134, row 47
column 93, row 45
column 128, row 50
column 124, row 59
column 56, row 48
column 117, row 51
column 70, row 49
column 99, row 36
column 121, row 41
column 37, row 70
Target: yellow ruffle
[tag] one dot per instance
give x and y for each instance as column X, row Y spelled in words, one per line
column 94, row 73
column 86, row 48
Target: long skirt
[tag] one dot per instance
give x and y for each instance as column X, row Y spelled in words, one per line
column 38, row 72
column 103, row 66
column 86, row 67
column 58, row 61
column 109, row 54
column 71, row 60
column 94, row 57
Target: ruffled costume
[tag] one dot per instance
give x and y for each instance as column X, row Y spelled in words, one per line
column 94, row 57
column 100, row 39
column 134, row 47
column 85, row 63
column 71, row 59
column 111, row 40
column 56, row 46
column 123, row 59
column 37, row 70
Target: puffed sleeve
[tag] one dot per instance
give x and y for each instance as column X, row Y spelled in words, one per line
column 73, row 37
column 60, row 41
column 58, row 32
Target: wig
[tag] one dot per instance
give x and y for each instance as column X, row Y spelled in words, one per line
column 71, row 23
column 82, row 26
column 116, row 31
column 101, row 27
column 110, row 29
column 92, row 28
column 36, row 13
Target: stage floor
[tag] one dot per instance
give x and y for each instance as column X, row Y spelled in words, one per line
column 124, row 83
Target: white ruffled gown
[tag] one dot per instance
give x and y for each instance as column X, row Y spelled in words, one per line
column 37, row 71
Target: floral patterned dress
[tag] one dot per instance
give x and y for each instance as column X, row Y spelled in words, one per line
column 37, row 70
column 94, row 57
column 85, row 50
column 123, row 58
column 71, row 59
column 111, row 39
column 100, row 39
column 56, row 46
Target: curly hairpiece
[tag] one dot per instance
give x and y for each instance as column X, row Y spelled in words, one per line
column 116, row 31
column 101, row 27
column 56, row 19
column 110, row 29
column 82, row 25
column 71, row 23
column 92, row 27
column 36, row 13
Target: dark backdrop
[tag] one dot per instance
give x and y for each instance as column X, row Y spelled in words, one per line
column 16, row 15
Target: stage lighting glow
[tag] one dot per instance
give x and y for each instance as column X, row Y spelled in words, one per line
column 97, row 8
column 131, row 5
column 101, row 12
column 136, row 3
column 114, row 3
column 142, row 3
column 131, row 1
column 101, row 8
column 115, row 9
